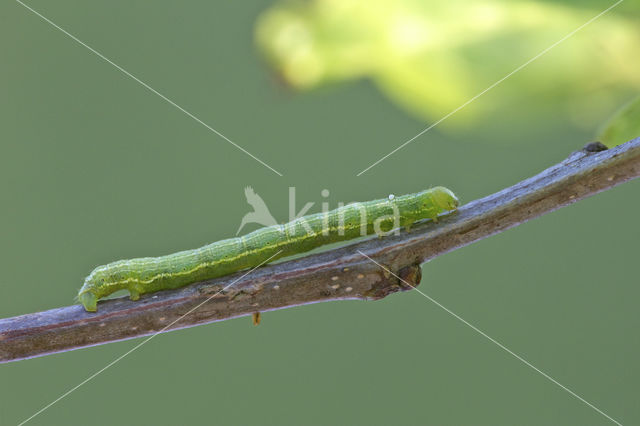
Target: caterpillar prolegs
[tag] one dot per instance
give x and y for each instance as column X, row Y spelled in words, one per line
column 149, row 274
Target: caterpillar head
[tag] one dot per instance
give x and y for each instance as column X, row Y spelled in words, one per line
column 444, row 198
column 88, row 300
column 89, row 293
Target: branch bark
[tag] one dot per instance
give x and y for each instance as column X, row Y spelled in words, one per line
column 338, row 274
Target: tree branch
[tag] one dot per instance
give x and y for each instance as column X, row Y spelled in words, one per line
column 338, row 274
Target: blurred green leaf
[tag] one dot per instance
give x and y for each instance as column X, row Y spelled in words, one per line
column 432, row 57
column 623, row 126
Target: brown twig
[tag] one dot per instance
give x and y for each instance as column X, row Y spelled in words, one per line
column 340, row 274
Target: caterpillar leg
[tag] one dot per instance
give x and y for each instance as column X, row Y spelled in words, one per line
column 134, row 294
column 407, row 227
column 255, row 318
column 89, row 301
column 381, row 233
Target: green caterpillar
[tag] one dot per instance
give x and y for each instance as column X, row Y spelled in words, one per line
column 149, row 274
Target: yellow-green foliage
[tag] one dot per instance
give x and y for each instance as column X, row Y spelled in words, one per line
column 624, row 126
column 430, row 57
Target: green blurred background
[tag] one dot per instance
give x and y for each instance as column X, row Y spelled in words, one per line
column 94, row 168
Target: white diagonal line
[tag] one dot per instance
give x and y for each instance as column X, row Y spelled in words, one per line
column 151, row 89
column 492, row 86
column 143, row 342
column 503, row 347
